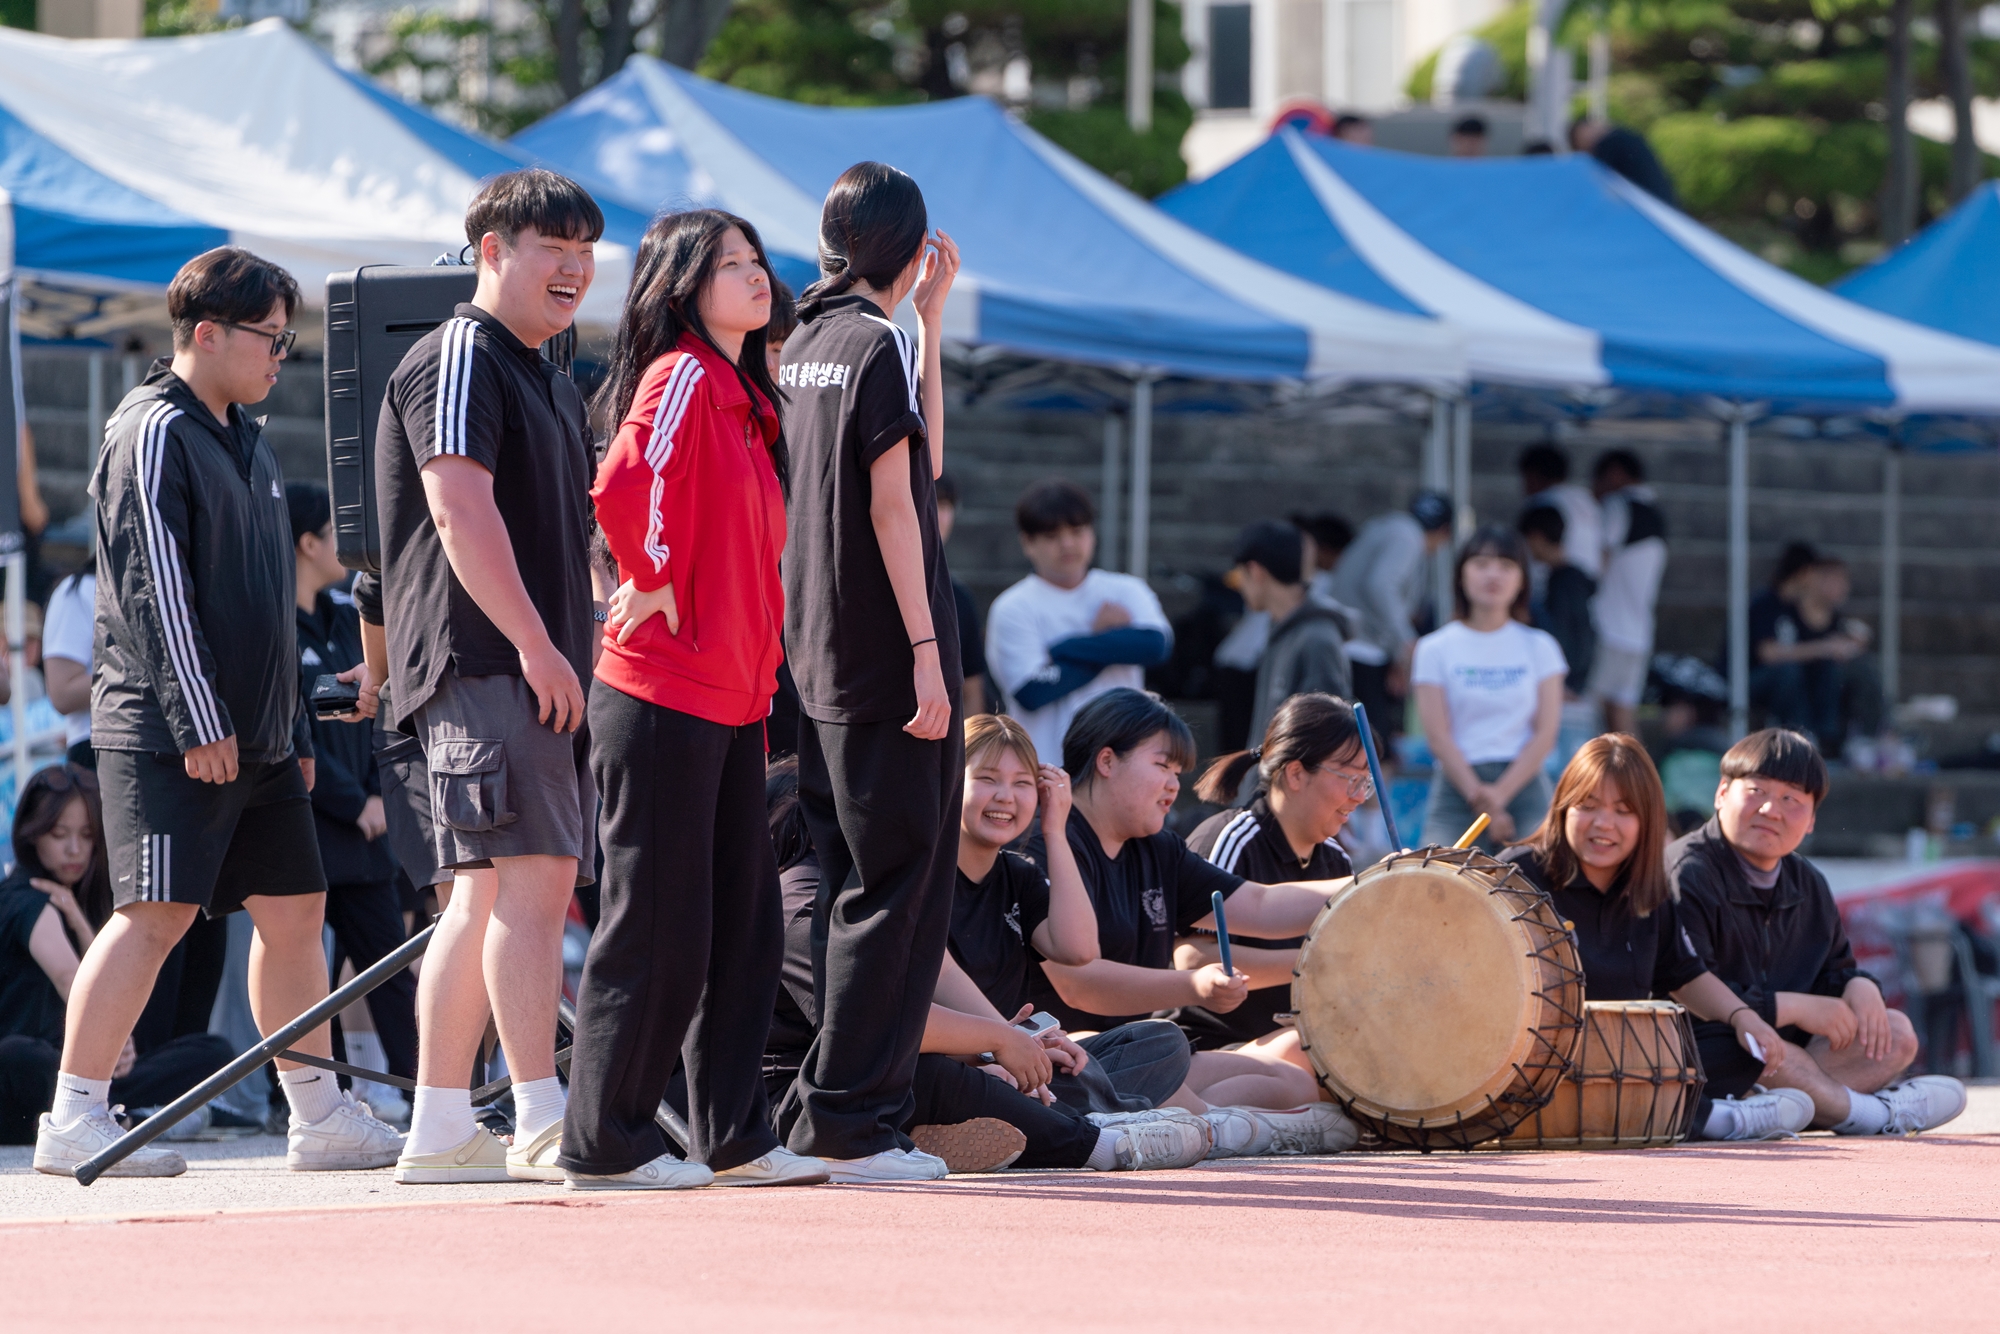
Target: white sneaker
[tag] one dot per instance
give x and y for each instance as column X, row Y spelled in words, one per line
column 1149, row 1146
column 536, row 1160
column 779, row 1167
column 888, row 1166
column 59, row 1149
column 480, row 1158
column 665, row 1172
column 1316, row 1128
column 1237, row 1132
column 1772, row 1114
column 348, row 1138
column 1923, row 1103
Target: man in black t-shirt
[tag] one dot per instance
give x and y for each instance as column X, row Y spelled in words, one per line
column 483, row 468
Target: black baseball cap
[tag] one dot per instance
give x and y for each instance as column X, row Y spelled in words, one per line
column 1432, row 509
column 1277, row 546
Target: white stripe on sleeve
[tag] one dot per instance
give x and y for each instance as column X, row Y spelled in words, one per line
column 454, row 386
column 674, row 399
column 1235, row 836
column 169, row 588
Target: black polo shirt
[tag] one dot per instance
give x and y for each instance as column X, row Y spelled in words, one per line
column 1760, row 941
column 849, row 378
column 1625, row 957
column 992, row 922
column 1249, row 842
column 1151, row 894
column 470, row 387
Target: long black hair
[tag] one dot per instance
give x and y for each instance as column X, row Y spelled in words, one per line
column 872, row 225
column 1310, row 728
column 47, row 795
column 676, row 259
column 1491, row 540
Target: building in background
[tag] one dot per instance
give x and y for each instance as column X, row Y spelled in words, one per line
column 91, row 18
column 1251, row 57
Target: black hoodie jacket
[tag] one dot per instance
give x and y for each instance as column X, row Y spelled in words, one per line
column 195, row 639
column 330, row 643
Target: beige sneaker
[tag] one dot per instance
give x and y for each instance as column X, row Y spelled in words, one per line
column 480, row 1158
column 665, row 1172
column 536, row 1160
column 779, row 1167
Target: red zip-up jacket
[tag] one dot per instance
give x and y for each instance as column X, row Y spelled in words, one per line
column 687, row 494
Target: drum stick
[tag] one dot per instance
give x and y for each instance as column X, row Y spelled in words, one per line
column 1375, row 774
column 1471, row 836
column 1222, row 932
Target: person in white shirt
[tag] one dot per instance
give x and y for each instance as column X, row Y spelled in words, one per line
column 1635, row 560
column 68, row 631
column 1544, row 470
column 1490, row 692
column 1382, row 576
column 1067, row 633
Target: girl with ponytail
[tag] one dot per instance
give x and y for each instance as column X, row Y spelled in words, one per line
column 871, row 628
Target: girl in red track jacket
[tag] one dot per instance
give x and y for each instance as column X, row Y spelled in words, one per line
column 685, row 962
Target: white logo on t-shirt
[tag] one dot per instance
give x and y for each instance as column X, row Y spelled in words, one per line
column 1155, row 903
column 812, row 375
column 1013, row 920
column 308, row 658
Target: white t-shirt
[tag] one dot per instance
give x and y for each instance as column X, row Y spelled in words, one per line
column 69, row 631
column 1630, row 586
column 1490, row 680
column 1034, row 614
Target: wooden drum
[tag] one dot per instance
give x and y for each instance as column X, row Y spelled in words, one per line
column 1636, row 1084
column 1439, row 998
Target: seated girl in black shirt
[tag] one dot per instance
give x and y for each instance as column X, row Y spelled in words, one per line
column 1600, row 855
column 1125, row 751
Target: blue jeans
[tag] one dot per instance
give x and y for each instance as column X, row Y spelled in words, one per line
column 1447, row 816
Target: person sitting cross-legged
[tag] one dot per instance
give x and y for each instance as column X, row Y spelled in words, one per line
column 1763, row 919
column 1126, row 750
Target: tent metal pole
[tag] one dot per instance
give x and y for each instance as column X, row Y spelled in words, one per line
column 1139, row 60
column 1137, row 560
column 1739, row 575
column 1437, row 477
column 1461, row 469
column 1112, row 488
column 96, row 404
column 17, row 663
column 1892, row 575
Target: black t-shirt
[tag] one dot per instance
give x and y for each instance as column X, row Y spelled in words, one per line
column 1625, row 957
column 30, row 1005
column 971, row 640
column 991, row 925
column 849, row 378
column 470, row 387
column 1249, row 842
column 1152, row 894
column 1774, row 620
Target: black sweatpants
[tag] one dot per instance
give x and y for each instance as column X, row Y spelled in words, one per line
column 28, row 1077
column 883, row 810
column 948, row 1092
column 684, row 964
column 367, row 922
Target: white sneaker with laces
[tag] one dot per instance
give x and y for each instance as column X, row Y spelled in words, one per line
column 891, row 1165
column 1922, row 1103
column 1778, row 1113
column 779, row 1167
column 1237, row 1132
column 1149, row 1146
column 347, row 1139
column 59, row 1149
column 665, row 1172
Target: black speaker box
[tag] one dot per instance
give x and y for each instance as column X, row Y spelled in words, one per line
column 373, row 316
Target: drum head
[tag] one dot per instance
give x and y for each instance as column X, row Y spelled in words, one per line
column 1416, row 994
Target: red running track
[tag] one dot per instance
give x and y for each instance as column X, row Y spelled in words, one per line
column 1818, row 1234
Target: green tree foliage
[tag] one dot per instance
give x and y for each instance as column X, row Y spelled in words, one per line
column 849, row 53
column 1767, row 113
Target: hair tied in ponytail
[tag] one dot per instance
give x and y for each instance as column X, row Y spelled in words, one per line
column 872, row 225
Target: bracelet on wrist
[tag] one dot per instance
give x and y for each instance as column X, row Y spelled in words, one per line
column 919, row 643
column 1731, row 1019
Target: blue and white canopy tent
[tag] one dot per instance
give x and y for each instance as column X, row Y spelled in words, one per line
column 1947, row 276
column 1060, row 262
column 1566, row 277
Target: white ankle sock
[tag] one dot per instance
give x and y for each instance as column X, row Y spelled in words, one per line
column 1105, row 1156
column 1866, row 1115
column 1721, row 1122
column 312, row 1093
column 440, row 1121
column 78, row 1097
column 538, row 1104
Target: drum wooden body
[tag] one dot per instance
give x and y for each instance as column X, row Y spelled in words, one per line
column 1636, row 1084
column 1439, row 998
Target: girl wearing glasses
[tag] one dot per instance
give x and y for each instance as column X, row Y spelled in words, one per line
column 1311, row 776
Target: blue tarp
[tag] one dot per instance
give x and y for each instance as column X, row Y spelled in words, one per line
column 1059, row 261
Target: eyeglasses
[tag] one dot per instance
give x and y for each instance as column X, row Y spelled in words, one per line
column 281, row 342
column 1359, row 786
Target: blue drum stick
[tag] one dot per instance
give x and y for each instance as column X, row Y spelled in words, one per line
column 1375, row 773
column 1222, row 933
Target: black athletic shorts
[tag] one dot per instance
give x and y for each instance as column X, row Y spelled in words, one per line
column 176, row 839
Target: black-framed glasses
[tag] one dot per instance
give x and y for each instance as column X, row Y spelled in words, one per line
column 281, row 342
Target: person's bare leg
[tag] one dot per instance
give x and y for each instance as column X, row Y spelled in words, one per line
column 1283, row 1045
column 1853, row 1068
column 114, row 980
column 1800, row 1071
column 451, row 991
column 288, row 966
column 1237, row 1079
column 523, row 959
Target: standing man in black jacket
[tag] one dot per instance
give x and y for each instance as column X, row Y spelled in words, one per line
column 203, row 751
column 362, row 903
column 1763, row 920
